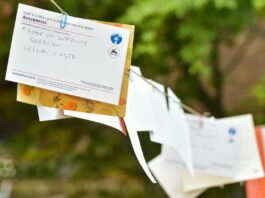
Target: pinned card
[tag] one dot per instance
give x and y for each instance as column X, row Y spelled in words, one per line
column 168, row 175
column 139, row 115
column 85, row 59
column 249, row 163
column 171, row 127
column 256, row 188
column 215, row 147
column 139, row 112
column 42, row 97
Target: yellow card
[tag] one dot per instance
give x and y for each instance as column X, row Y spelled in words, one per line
column 42, row 97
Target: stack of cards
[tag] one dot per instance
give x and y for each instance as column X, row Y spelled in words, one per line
column 83, row 67
column 224, row 151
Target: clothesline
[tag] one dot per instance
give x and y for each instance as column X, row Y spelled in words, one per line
column 57, row 6
column 186, row 107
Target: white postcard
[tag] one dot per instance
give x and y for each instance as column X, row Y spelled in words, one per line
column 249, row 163
column 84, row 59
column 215, row 147
column 138, row 110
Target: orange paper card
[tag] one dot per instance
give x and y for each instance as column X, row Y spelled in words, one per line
column 256, row 188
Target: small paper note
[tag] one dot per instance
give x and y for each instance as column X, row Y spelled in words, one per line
column 84, row 59
column 171, row 127
column 47, row 114
column 139, row 112
column 249, row 163
column 168, row 175
column 111, row 121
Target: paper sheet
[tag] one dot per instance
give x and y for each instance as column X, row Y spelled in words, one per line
column 47, row 114
column 249, row 163
column 215, row 149
column 139, row 152
column 111, row 121
column 139, row 112
column 171, row 127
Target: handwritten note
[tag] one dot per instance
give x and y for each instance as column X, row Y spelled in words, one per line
column 50, row 43
column 84, row 59
column 42, row 97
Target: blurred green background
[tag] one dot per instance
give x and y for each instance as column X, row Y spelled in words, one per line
column 211, row 52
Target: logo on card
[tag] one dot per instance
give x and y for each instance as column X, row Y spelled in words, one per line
column 114, row 52
column 116, row 38
column 232, row 131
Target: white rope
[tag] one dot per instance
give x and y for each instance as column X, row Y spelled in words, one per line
column 186, row 107
column 57, row 6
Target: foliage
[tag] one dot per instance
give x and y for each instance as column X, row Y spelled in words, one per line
column 186, row 36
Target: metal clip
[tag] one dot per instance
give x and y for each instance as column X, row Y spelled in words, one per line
column 63, row 22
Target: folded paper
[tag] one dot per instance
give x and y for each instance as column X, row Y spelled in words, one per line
column 171, row 127
column 215, row 146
